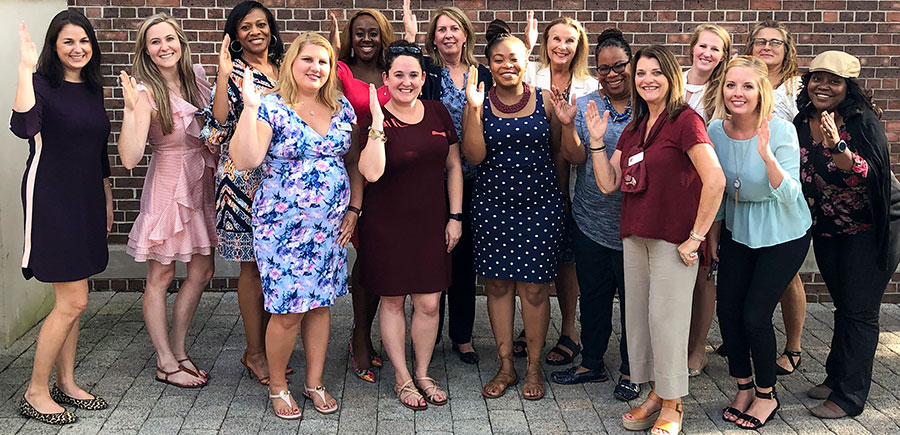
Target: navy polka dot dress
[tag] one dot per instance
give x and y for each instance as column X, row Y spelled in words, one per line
column 517, row 208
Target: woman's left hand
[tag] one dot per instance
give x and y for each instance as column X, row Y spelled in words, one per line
column 452, row 234
column 688, row 252
column 410, row 25
column 348, row 224
column 829, row 129
column 531, row 31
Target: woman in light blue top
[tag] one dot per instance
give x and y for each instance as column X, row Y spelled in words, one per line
column 766, row 234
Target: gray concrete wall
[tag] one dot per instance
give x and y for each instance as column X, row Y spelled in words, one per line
column 22, row 303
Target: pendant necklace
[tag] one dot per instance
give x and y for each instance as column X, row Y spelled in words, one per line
column 302, row 104
column 739, row 171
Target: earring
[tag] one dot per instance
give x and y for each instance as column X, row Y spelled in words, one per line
column 352, row 53
column 274, row 41
column 236, row 50
column 434, row 47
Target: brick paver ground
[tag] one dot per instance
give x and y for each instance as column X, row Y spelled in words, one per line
column 116, row 360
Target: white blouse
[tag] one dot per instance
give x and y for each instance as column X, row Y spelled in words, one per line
column 786, row 99
column 696, row 100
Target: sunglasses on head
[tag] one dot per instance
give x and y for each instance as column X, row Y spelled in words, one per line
column 405, row 49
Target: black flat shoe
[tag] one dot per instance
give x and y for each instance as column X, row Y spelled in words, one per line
column 626, row 390
column 467, row 357
column 781, row 371
column 95, row 404
column 570, row 376
column 59, row 418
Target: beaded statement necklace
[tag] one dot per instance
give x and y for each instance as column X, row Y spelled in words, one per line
column 616, row 116
column 495, row 100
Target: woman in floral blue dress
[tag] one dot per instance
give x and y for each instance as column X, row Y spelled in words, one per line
column 302, row 218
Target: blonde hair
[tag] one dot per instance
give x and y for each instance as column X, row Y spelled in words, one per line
column 146, row 72
column 579, row 65
column 385, row 30
column 456, row 14
column 789, row 63
column 671, row 70
column 766, row 97
column 718, row 73
column 328, row 94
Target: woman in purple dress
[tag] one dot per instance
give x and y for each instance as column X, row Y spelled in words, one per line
column 66, row 196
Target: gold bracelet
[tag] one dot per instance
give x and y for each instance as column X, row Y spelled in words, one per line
column 696, row 236
column 597, row 149
column 377, row 135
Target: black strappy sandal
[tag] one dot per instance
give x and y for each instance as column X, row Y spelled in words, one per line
column 781, row 371
column 737, row 413
column 568, row 356
column 521, row 344
column 755, row 422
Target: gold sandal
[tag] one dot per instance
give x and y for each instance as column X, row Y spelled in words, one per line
column 432, row 391
column 501, row 381
column 531, row 383
column 405, row 391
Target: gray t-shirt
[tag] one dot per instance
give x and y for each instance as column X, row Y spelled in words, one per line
column 597, row 214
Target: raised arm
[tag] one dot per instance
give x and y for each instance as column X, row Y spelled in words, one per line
column 372, row 157
column 531, row 33
column 135, row 122
column 334, row 35
column 220, row 106
column 559, row 161
column 607, row 172
column 566, row 111
column 28, row 57
column 473, row 147
column 410, row 25
column 251, row 137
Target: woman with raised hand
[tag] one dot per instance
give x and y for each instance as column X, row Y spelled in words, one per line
column 411, row 145
column 773, row 43
column 854, row 198
column 563, row 66
column 668, row 172
column 765, row 236
column 598, row 248
column 177, row 218
column 68, row 213
column 302, row 134
column 517, row 206
column 252, row 48
column 450, row 48
column 710, row 49
column 361, row 48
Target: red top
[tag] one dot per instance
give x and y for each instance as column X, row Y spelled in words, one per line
column 357, row 91
column 666, row 209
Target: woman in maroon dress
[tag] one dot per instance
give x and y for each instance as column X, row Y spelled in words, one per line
column 406, row 234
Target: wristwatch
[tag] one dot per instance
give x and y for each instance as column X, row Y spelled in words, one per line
column 455, row 216
column 839, row 147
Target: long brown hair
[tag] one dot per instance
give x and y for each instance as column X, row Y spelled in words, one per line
column 384, row 28
column 146, row 72
column 579, row 65
column 766, row 100
column 455, row 14
column 671, row 70
column 287, row 86
column 789, row 63
column 718, row 73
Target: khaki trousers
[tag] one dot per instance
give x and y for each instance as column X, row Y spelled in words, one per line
column 659, row 289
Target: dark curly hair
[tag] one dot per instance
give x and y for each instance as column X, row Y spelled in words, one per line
column 612, row 37
column 857, row 101
column 496, row 32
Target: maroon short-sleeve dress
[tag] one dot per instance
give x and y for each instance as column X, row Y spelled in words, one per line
column 401, row 231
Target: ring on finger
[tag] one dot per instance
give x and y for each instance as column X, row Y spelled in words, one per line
column 693, row 254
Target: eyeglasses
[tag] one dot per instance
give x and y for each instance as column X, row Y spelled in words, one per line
column 405, row 49
column 603, row 70
column 762, row 42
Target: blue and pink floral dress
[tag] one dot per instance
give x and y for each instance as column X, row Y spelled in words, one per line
column 298, row 208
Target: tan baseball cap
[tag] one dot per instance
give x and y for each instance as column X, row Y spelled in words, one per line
column 836, row 62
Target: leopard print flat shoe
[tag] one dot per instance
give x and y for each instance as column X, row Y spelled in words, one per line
column 59, row 418
column 95, row 404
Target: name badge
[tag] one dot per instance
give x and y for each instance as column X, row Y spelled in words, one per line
column 345, row 126
column 637, row 158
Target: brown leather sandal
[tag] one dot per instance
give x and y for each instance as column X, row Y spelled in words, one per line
column 666, row 427
column 181, row 368
column 534, row 380
column 498, row 385
column 641, row 419
column 200, row 373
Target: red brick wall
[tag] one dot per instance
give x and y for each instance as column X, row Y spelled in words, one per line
column 869, row 30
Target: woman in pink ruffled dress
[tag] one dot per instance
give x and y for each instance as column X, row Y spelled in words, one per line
column 177, row 218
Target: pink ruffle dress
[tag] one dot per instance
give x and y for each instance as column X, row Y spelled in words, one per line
column 177, row 218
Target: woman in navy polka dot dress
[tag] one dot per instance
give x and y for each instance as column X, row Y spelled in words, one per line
column 517, row 203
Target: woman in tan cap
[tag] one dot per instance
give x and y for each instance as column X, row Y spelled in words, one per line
column 855, row 203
